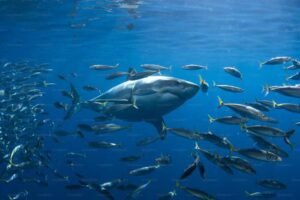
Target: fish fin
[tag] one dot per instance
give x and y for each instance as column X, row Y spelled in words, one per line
column 200, row 78
column 274, row 104
column 76, row 103
column 197, row 147
column 221, row 103
column 266, row 90
column 261, row 64
column 247, row 193
column 131, row 72
column 287, row 138
column 117, row 65
column 211, row 119
column 160, row 126
column 214, row 83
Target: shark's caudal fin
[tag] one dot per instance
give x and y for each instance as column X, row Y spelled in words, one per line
column 159, row 124
column 76, row 103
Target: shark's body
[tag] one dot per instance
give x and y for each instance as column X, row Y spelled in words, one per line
column 147, row 99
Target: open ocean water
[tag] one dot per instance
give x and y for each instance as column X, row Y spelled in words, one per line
column 73, row 35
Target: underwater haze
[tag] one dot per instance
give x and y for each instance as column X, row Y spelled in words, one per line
column 66, row 131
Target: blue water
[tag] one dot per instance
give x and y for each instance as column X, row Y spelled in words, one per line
column 72, row 35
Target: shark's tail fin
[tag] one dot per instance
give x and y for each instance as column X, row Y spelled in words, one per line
column 76, row 103
column 287, row 138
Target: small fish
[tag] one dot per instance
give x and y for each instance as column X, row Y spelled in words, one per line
column 59, row 175
column 194, row 67
column 103, row 145
column 271, row 184
column 229, row 88
column 85, row 127
column 163, row 160
column 80, row 133
column 144, row 170
column 231, row 120
column 266, row 103
column 286, row 90
column 19, row 195
column 74, row 187
column 264, row 195
column 104, row 67
column 102, row 118
column 287, row 106
column 169, row 196
column 135, row 193
column 246, row 111
column 234, row 72
column 203, row 84
column 75, row 155
column 190, row 169
column 195, row 192
column 259, row 106
column 62, row 133
column 147, row 140
column 155, row 67
column 192, row 135
column 91, row 88
column 222, row 142
column 109, row 128
column 295, row 77
column 259, row 154
column 60, row 105
column 269, row 131
column 131, row 158
column 276, row 61
column 116, row 75
column 266, row 145
column 134, row 75
column 67, row 94
column 239, row 164
column 61, row 77
column 215, row 159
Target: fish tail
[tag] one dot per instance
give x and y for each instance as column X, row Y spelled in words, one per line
column 200, row 78
column 243, row 126
column 164, row 127
column 247, row 194
column 177, row 184
column 261, row 64
column 76, row 103
column 274, row 104
column 211, row 119
column 170, row 68
column 287, row 138
column 214, row 83
column 266, row 90
column 221, row 102
column 197, row 147
column 117, row 65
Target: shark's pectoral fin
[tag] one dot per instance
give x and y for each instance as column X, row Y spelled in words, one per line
column 159, row 124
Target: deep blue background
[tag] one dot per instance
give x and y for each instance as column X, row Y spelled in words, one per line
column 173, row 32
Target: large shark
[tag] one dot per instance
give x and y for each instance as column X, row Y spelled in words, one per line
column 147, row 99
